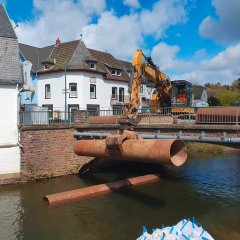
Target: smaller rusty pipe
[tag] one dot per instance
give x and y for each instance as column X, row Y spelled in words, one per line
column 143, row 150
column 97, row 190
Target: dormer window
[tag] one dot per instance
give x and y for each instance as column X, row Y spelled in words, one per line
column 46, row 67
column 92, row 65
column 115, row 72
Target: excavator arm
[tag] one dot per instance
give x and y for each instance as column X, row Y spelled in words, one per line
column 148, row 69
column 163, row 85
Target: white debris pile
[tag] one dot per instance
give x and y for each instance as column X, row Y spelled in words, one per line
column 184, row 230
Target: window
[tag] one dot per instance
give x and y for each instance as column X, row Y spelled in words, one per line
column 115, row 72
column 93, row 65
column 114, row 92
column 121, row 94
column 46, row 67
column 93, row 110
column 73, row 90
column 117, row 109
column 47, row 91
column 72, row 108
column 92, row 91
column 50, row 110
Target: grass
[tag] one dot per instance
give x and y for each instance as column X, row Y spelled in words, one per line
column 204, row 148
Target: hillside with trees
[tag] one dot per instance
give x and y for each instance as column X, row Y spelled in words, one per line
column 224, row 95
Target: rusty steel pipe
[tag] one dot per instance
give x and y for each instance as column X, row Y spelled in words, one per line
column 97, row 190
column 167, row 151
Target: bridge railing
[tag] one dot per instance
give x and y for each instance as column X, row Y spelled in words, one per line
column 210, row 115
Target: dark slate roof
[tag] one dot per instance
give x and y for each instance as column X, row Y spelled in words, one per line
column 126, row 65
column 35, row 55
column 6, row 29
column 106, row 61
column 9, row 52
column 81, row 57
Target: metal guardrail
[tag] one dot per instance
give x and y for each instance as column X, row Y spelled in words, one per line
column 46, row 117
column 177, row 115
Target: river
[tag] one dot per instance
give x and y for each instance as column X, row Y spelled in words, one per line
column 206, row 187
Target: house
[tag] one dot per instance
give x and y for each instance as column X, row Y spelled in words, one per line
column 10, row 85
column 31, row 58
column 200, row 96
column 71, row 76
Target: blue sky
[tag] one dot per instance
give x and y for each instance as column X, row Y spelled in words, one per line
column 189, row 39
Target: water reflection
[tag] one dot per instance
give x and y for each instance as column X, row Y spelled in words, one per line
column 11, row 213
column 205, row 188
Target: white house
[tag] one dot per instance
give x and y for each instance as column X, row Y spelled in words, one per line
column 10, row 81
column 92, row 79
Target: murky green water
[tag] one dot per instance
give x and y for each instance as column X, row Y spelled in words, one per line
column 208, row 189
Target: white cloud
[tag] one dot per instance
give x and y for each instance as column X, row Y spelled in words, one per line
column 119, row 36
column 165, row 56
column 224, row 67
column 58, row 18
column 228, row 59
column 165, row 13
column 132, row 3
column 225, row 28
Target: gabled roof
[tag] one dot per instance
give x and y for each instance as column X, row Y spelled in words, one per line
column 6, row 29
column 10, row 69
column 35, row 55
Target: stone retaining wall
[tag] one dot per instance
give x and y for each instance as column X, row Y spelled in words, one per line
column 48, row 151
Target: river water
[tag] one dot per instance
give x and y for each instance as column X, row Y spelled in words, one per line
column 206, row 187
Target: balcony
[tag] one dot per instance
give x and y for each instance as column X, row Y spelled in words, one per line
column 119, row 99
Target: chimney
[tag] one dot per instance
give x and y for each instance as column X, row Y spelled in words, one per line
column 58, row 42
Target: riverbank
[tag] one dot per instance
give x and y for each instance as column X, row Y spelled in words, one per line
column 206, row 148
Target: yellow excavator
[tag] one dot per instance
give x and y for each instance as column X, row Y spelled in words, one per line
column 160, row 98
column 143, row 67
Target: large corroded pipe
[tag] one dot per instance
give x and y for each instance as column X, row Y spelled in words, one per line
column 97, row 190
column 162, row 151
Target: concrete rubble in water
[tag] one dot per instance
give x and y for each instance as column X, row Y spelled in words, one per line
column 184, row 230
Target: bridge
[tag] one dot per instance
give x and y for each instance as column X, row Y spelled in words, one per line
column 218, row 125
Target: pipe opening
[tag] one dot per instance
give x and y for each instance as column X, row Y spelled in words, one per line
column 178, row 153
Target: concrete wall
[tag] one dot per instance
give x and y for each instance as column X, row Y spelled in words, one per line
column 83, row 80
column 48, row 151
column 9, row 150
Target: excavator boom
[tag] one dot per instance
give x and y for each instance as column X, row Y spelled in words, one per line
column 144, row 66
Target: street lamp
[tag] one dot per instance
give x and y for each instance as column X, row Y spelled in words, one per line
column 65, row 90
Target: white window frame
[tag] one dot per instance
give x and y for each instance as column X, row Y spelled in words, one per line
column 94, row 93
column 113, row 72
column 47, row 91
column 121, row 96
column 119, row 73
column 93, row 65
column 71, row 95
column 114, row 95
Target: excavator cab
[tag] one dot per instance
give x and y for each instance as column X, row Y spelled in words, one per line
column 181, row 93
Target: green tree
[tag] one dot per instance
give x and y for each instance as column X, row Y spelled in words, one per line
column 213, row 101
